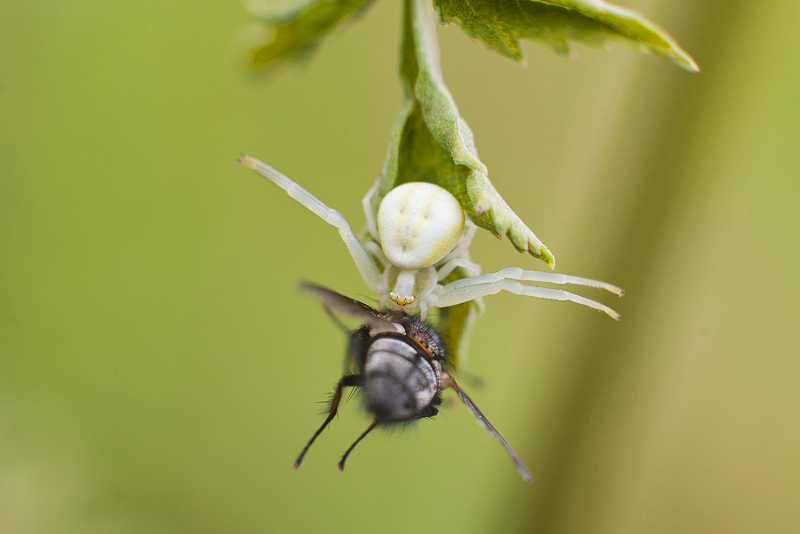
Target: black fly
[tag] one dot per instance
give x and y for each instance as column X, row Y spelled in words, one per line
column 398, row 362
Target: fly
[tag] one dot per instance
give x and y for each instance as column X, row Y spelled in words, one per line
column 399, row 363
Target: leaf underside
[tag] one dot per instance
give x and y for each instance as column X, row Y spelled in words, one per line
column 296, row 31
column 499, row 24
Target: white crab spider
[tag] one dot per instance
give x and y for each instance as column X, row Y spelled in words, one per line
column 423, row 235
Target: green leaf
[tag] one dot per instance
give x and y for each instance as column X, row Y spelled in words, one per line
column 438, row 106
column 295, row 31
column 499, row 24
column 431, row 142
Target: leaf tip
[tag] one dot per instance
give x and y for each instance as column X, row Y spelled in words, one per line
column 684, row 60
column 533, row 246
column 546, row 256
column 537, row 249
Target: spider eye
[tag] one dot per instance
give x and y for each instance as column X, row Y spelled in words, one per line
column 418, row 224
column 401, row 300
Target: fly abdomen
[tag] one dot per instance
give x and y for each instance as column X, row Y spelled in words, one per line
column 399, row 383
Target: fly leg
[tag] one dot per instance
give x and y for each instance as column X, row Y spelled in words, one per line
column 340, row 465
column 347, row 380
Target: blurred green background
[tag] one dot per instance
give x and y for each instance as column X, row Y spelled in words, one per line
column 159, row 369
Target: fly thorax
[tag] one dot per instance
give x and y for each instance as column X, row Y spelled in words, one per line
column 398, row 383
column 425, row 336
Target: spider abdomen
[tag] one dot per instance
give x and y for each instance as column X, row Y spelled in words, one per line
column 419, row 224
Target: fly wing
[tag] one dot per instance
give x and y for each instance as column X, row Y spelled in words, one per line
column 333, row 301
column 522, row 469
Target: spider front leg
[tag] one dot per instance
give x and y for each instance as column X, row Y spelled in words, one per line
column 470, row 266
column 376, row 250
column 508, row 280
column 459, row 256
column 364, row 263
column 366, row 203
column 470, row 229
